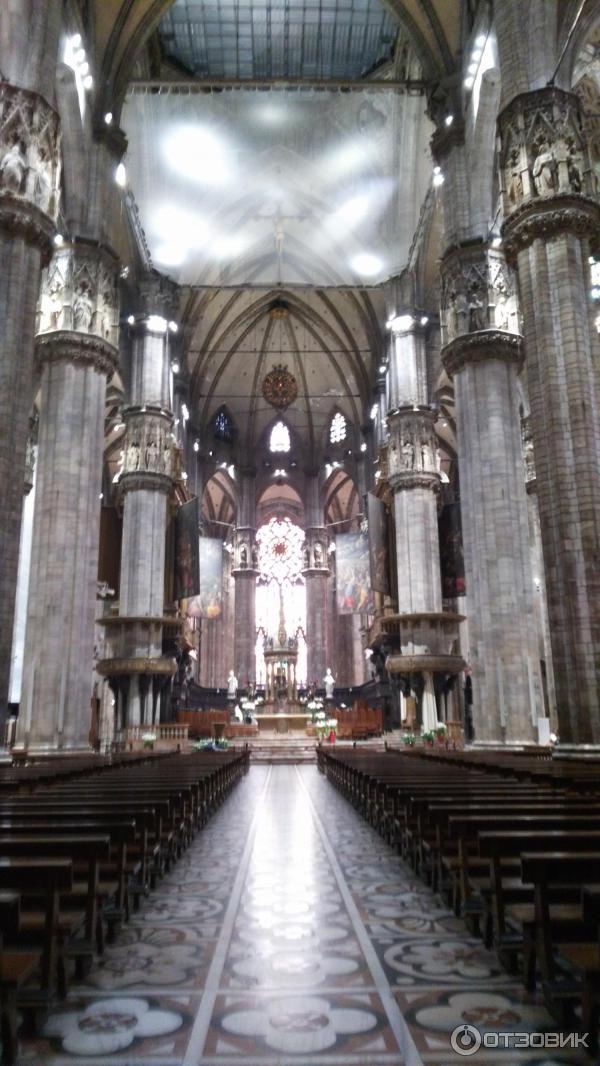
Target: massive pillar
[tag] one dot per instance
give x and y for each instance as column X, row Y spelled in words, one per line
column 76, row 350
column 316, row 576
column 29, row 202
column 136, row 635
column 552, row 221
column 244, row 574
column 482, row 352
column 426, row 635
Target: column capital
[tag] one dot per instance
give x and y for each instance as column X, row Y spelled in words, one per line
column 149, row 455
column 80, row 349
column 29, row 165
column 483, row 346
column 478, row 291
column 79, row 293
column 159, row 296
column 548, row 218
column 547, row 182
column 413, row 455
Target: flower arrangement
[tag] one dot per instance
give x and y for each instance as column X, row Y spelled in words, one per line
column 315, row 706
column 409, row 739
column 440, row 732
column 149, row 740
column 325, row 727
column 428, row 736
column 211, row 745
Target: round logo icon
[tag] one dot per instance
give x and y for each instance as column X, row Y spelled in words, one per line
column 465, row 1040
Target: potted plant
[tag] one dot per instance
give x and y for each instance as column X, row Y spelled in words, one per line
column 149, row 740
column 428, row 737
column 441, row 733
column 409, row 739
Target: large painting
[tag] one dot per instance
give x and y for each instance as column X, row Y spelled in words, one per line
column 354, row 594
column 452, row 561
column 208, row 603
column 187, row 561
column 378, row 544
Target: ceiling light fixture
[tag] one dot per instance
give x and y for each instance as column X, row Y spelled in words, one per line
column 121, row 176
column 156, row 324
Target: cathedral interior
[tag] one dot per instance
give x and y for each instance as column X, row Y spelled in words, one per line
column 299, row 448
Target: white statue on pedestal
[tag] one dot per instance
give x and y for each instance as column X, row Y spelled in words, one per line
column 329, row 682
column 232, row 686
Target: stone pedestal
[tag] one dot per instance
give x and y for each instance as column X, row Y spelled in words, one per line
column 552, row 218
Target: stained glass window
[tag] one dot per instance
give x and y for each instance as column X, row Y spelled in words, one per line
column 280, row 550
column 222, row 426
column 280, row 438
column 337, row 429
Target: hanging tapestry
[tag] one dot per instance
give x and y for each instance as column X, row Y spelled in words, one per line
column 354, row 594
column 378, row 544
column 187, row 562
column 209, row 602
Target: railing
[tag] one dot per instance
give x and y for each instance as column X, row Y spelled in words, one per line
column 172, row 731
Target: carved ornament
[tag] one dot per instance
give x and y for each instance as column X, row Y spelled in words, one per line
column 543, row 150
column 81, row 350
column 79, row 292
column 562, row 214
column 280, row 388
column 481, row 347
column 478, row 292
column 29, row 163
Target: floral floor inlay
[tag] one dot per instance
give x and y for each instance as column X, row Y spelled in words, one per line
column 289, row 932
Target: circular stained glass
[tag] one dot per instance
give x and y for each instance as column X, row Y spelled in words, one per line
column 280, row 388
column 280, row 550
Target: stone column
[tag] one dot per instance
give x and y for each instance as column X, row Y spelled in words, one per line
column 245, row 572
column 552, row 218
column 76, row 351
column 145, row 483
column 29, row 202
column 316, row 576
column 482, row 352
column 424, row 636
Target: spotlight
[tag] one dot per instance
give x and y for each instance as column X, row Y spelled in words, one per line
column 59, row 240
column 131, row 320
column 175, row 367
column 449, row 120
column 469, row 82
column 363, row 446
column 196, row 446
column 108, row 118
column 121, row 176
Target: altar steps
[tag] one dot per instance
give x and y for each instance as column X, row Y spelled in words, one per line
column 282, row 749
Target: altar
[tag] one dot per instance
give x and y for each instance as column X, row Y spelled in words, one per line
column 283, row 722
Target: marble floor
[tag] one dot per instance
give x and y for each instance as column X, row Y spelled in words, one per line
column 290, row 933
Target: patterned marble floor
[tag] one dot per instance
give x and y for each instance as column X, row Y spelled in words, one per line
column 290, row 933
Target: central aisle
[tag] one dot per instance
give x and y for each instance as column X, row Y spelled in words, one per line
column 289, row 933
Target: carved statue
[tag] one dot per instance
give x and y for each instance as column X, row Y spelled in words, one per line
column 40, row 166
column 243, row 557
column 254, row 557
column 306, row 558
column 318, row 554
column 545, row 170
column 12, row 167
column 501, row 311
column 151, row 455
column 166, row 463
column 133, row 456
column 232, row 686
column 515, row 185
column 461, row 310
column 329, row 682
column 82, row 309
column 408, row 454
column 438, row 460
column 476, row 311
column 424, row 454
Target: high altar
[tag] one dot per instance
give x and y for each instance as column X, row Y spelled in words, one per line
column 282, row 709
